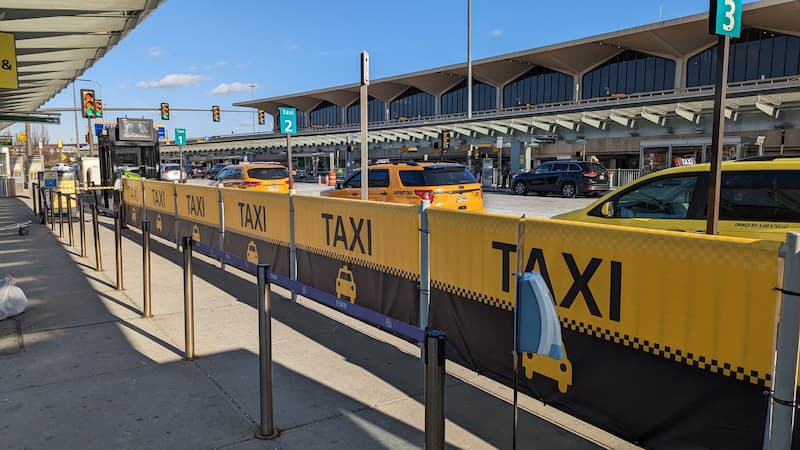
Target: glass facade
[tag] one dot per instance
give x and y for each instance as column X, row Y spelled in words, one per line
column 326, row 114
column 376, row 111
column 413, row 103
column 627, row 73
column 454, row 101
column 756, row 54
column 539, row 85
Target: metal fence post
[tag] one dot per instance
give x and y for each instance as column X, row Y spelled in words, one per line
column 82, row 227
column 96, row 231
column 118, row 247
column 221, row 226
column 60, row 215
column 42, row 206
column 52, row 210
column 146, row 269
column 780, row 419
column 69, row 221
column 33, row 193
column 424, row 265
column 434, row 389
column 292, row 244
column 266, row 429
column 188, row 298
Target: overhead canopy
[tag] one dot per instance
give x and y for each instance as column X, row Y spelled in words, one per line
column 58, row 40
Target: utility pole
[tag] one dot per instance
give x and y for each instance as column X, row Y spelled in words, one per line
column 469, row 59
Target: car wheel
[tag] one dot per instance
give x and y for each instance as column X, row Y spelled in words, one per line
column 568, row 190
column 519, row 188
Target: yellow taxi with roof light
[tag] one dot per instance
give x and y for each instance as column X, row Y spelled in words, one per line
column 759, row 199
column 255, row 176
column 446, row 185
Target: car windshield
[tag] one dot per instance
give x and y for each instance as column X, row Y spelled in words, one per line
column 268, row 173
column 443, row 176
column 218, row 167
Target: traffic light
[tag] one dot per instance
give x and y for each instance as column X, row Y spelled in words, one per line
column 262, row 117
column 165, row 111
column 215, row 113
column 98, row 108
column 445, row 140
column 87, row 100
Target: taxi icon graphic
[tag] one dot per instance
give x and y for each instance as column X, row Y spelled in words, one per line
column 345, row 284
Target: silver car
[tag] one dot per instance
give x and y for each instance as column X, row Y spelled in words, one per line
column 172, row 172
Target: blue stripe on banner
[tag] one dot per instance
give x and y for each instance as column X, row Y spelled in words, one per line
column 353, row 310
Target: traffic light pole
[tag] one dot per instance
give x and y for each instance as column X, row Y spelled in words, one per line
column 364, row 120
column 89, row 135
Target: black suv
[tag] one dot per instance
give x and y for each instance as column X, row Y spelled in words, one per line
column 570, row 178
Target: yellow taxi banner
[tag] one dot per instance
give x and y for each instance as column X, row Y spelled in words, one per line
column 470, row 252
column 380, row 235
column 159, row 196
column 8, row 62
column 132, row 192
column 706, row 301
column 702, row 300
column 198, row 203
column 258, row 214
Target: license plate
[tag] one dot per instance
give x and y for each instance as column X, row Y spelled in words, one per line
column 602, row 177
column 273, row 188
column 461, row 198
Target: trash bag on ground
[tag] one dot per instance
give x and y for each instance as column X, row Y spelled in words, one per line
column 12, row 299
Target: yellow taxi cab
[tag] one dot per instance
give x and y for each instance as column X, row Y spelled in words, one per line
column 446, row 185
column 759, row 199
column 256, row 176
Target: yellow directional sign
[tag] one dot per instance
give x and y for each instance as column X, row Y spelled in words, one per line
column 8, row 61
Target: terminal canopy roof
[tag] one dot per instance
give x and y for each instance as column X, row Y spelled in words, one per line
column 58, row 40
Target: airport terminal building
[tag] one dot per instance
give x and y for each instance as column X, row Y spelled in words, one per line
column 640, row 98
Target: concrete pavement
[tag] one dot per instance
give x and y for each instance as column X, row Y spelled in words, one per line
column 81, row 368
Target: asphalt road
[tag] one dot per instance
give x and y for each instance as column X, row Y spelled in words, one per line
column 495, row 202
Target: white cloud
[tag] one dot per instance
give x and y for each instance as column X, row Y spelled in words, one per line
column 193, row 68
column 172, row 80
column 497, row 32
column 155, row 52
column 291, row 47
column 224, row 88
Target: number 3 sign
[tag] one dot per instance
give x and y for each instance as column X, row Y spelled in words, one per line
column 725, row 17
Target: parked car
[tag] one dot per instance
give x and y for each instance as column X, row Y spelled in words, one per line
column 446, row 185
column 214, row 170
column 199, row 172
column 270, row 177
column 759, row 198
column 569, row 178
column 171, row 172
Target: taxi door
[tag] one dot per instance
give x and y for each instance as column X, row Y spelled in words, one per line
column 378, row 189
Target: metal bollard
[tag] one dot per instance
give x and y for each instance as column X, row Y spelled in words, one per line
column 60, row 215
column 434, row 389
column 96, row 230
column 188, row 298
column 42, row 207
column 52, row 211
column 118, row 247
column 146, row 269
column 69, row 221
column 82, row 225
column 33, row 199
column 267, row 429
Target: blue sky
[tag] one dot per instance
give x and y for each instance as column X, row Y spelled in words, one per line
column 199, row 53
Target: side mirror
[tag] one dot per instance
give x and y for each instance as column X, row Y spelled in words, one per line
column 608, row 209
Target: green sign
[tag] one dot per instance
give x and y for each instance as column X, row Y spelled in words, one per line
column 56, row 120
column 725, row 18
column 180, row 136
column 5, row 140
column 288, row 120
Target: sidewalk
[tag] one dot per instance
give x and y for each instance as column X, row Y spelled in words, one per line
column 81, row 369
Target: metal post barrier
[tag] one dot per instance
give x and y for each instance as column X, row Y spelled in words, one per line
column 33, row 199
column 118, row 247
column 434, row 389
column 82, row 226
column 424, row 265
column 60, row 215
column 267, row 429
column 96, row 231
column 146, row 269
column 292, row 243
column 52, row 211
column 188, row 298
column 42, row 206
column 69, row 221
column 780, row 419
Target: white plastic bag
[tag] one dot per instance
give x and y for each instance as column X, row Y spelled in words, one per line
column 12, row 299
